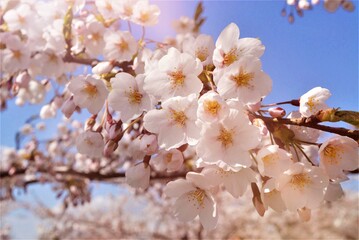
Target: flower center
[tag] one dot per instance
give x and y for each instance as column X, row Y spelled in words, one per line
column 212, row 107
column 177, row 78
column 52, row 57
column 243, row 79
column 21, row 19
column 90, row 90
column 311, row 103
column 222, row 173
column 198, row 196
column 178, row 117
column 134, row 97
column 168, row 157
column 108, row 6
column 332, row 154
column 96, row 36
column 144, row 16
column 270, row 159
column 89, row 142
column 17, row 54
column 300, row 180
column 202, row 54
column 122, row 45
column 230, row 57
column 128, row 10
column 225, row 137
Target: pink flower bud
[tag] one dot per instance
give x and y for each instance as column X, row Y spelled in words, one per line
column 348, row 6
column 114, row 130
column 149, row 144
column 23, row 79
column 110, row 147
column 277, row 112
column 69, row 107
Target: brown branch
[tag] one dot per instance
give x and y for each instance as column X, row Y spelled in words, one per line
column 85, row 61
column 91, row 175
column 311, row 123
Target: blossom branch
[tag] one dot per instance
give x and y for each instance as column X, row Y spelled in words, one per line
column 311, row 122
column 90, row 175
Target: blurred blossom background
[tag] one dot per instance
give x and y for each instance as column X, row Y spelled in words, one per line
column 318, row 49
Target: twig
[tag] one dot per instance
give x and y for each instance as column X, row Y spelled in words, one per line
column 311, row 122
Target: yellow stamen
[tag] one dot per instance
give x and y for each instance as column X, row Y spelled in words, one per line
column 225, row 137
column 128, row 10
column 311, row 103
column 89, row 142
column 198, row 196
column 230, row 57
column 122, row 45
column 332, row 154
column 144, row 16
column 134, row 97
column 212, row 107
column 17, row 54
column 108, row 6
column 96, row 36
column 202, row 54
column 270, row 159
column 243, row 79
column 300, row 180
column 177, row 78
column 90, row 90
column 168, row 157
column 53, row 58
column 178, row 117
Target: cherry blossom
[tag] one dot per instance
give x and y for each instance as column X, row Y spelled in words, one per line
column 88, row 92
column 107, row 8
column 272, row 161
column 90, row 143
column 235, row 181
column 120, row 46
column 211, row 107
column 229, row 48
column 193, row 199
column 94, row 41
column 177, row 74
column 337, row 154
column 201, row 47
column 301, row 186
column 272, row 197
column 226, row 141
column 174, row 122
column 313, row 101
column 149, row 144
column 145, row 14
column 244, row 80
column 170, row 160
column 183, row 25
column 127, row 96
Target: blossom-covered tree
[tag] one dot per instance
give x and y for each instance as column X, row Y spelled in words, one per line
column 185, row 118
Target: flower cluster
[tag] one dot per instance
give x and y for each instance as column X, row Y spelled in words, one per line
column 188, row 107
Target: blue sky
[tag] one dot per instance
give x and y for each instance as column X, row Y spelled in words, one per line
column 320, row 49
